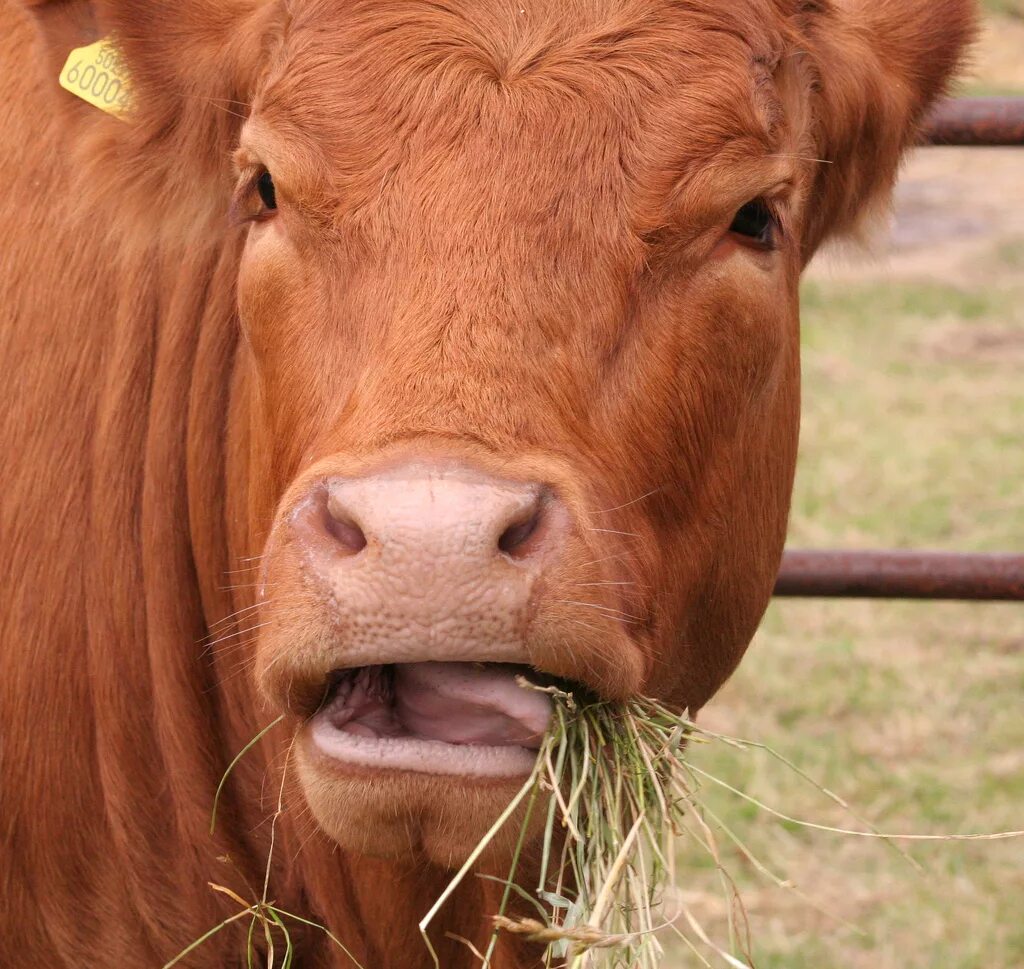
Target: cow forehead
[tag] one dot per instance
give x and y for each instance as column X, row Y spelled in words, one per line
column 511, row 40
column 606, row 95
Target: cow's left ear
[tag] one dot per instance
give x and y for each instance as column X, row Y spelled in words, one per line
column 879, row 65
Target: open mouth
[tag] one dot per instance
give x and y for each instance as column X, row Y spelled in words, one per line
column 475, row 719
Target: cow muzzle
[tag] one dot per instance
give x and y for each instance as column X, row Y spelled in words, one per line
column 425, row 578
column 409, row 609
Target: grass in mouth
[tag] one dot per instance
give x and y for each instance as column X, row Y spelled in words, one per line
column 617, row 792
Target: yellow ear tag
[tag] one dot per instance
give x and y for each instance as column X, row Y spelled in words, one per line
column 97, row 74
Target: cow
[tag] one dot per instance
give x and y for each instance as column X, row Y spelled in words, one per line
column 383, row 352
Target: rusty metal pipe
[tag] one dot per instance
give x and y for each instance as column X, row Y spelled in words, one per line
column 902, row 575
column 979, row 122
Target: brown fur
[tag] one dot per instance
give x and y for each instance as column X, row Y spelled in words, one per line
column 501, row 232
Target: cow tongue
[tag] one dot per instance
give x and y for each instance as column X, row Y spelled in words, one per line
column 469, row 703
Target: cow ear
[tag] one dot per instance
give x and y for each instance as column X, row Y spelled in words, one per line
column 168, row 45
column 879, row 65
column 63, row 25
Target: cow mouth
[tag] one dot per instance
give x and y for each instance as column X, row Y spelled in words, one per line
column 471, row 719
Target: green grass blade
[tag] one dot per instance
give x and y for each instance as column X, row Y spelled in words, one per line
column 220, row 787
column 205, row 936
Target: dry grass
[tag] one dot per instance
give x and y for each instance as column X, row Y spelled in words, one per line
column 269, row 943
column 611, row 791
column 614, row 786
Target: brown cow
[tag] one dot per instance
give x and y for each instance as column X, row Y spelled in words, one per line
column 494, row 362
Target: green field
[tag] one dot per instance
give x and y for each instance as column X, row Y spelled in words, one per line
column 997, row 64
column 913, row 436
column 1007, row 8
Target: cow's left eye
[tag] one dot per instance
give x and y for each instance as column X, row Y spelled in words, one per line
column 755, row 221
column 267, row 192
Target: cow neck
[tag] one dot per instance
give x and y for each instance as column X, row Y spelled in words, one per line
column 163, row 722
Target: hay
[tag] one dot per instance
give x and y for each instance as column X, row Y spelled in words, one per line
column 618, row 796
column 617, row 792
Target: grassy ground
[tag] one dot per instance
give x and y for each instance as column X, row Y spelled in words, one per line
column 913, row 436
column 1006, row 8
column 997, row 66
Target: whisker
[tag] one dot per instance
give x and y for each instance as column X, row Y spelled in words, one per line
column 237, row 613
column 585, row 625
column 233, row 633
column 230, row 650
column 225, row 650
column 607, row 558
column 607, row 610
column 247, row 663
column 277, row 659
column 581, row 585
column 222, row 645
column 218, row 103
column 305, row 841
column 605, row 511
column 819, row 161
column 230, row 674
column 216, row 636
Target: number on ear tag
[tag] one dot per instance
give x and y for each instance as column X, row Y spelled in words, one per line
column 97, row 74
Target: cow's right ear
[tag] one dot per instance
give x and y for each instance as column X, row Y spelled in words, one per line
column 63, row 25
column 202, row 47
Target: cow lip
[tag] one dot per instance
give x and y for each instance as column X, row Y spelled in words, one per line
column 471, row 719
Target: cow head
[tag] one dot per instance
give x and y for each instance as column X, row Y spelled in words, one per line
column 519, row 293
column 517, row 391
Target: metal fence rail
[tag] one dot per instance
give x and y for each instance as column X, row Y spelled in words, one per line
column 902, row 575
column 973, row 122
column 977, row 122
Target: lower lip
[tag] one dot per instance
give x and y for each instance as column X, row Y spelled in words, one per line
column 418, row 756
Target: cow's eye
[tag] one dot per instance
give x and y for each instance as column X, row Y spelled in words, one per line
column 755, row 221
column 265, row 187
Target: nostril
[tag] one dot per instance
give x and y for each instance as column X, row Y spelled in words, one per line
column 414, row 518
column 347, row 534
column 343, row 529
column 515, row 541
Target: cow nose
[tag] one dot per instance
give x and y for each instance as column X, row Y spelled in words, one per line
column 422, row 516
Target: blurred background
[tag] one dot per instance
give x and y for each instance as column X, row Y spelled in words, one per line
column 912, row 437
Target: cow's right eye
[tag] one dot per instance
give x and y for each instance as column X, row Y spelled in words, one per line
column 756, row 222
column 267, row 193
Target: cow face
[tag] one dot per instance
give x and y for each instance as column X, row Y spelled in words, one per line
column 520, row 377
